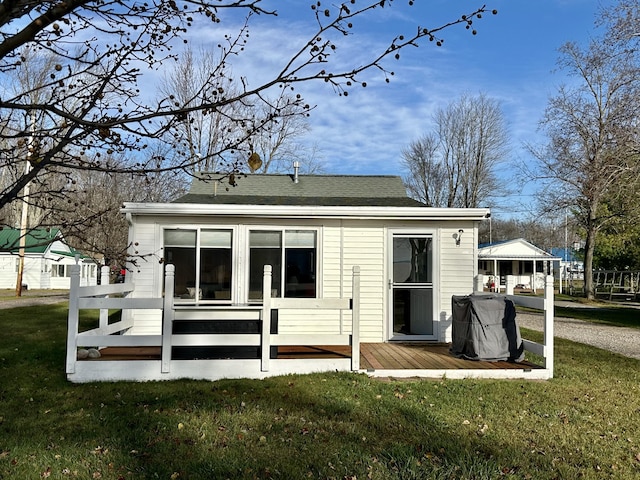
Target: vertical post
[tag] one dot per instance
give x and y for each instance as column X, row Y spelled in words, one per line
column 266, row 319
column 478, row 283
column 167, row 317
column 355, row 319
column 548, row 324
column 104, row 275
column 104, row 313
column 24, row 216
column 510, row 282
column 73, row 319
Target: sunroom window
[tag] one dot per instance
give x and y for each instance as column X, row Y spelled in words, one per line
column 292, row 256
column 202, row 260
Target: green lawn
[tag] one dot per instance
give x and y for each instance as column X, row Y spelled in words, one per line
column 611, row 314
column 585, row 423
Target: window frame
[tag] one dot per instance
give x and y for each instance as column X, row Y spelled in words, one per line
column 197, row 261
column 317, row 230
column 240, row 258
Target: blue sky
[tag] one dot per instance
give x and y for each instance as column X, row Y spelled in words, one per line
column 511, row 59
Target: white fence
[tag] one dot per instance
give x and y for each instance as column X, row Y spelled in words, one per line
column 115, row 334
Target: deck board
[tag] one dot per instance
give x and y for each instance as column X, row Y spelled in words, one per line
column 373, row 356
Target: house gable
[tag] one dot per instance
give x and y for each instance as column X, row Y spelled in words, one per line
column 512, row 249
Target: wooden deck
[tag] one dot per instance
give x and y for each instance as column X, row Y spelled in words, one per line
column 373, row 356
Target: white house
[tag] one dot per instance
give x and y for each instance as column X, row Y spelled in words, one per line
column 312, row 230
column 527, row 264
column 289, row 274
column 47, row 259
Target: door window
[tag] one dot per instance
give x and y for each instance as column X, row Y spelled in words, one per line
column 412, row 285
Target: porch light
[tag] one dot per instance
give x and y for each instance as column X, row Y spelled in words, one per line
column 458, row 236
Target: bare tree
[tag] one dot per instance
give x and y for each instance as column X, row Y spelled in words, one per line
column 203, row 133
column 591, row 158
column 90, row 215
column 427, row 175
column 279, row 145
column 93, row 104
column 455, row 165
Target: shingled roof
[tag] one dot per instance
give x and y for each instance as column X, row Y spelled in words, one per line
column 309, row 190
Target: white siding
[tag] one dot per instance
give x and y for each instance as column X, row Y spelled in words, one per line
column 146, row 272
column 364, row 246
column 8, row 271
column 343, row 244
column 458, row 266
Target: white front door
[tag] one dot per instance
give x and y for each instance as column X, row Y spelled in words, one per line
column 411, row 287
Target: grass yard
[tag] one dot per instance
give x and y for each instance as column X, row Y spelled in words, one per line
column 585, row 423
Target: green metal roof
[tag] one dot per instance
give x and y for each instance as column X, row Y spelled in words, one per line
column 308, row 190
column 36, row 241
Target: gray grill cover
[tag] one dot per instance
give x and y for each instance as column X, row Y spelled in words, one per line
column 485, row 328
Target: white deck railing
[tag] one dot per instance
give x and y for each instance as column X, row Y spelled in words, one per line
column 111, row 335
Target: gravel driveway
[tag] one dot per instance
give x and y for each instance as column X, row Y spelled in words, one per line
column 622, row 340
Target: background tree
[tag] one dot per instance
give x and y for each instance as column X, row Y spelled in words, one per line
column 455, row 165
column 203, row 133
column 618, row 241
column 95, row 110
column 591, row 158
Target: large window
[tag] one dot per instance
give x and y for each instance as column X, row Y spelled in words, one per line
column 203, row 260
column 292, row 256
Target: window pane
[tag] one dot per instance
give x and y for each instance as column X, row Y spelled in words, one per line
column 215, row 273
column 215, row 238
column 300, row 238
column 265, row 239
column 301, row 277
column 412, row 260
column 412, row 311
column 259, row 257
column 180, row 251
column 179, row 238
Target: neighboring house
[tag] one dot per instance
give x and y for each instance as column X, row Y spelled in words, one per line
column 528, row 264
column 46, row 260
column 312, row 230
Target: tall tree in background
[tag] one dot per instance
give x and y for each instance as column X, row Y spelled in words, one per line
column 203, row 133
column 455, row 165
column 591, row 159
column 96, row 108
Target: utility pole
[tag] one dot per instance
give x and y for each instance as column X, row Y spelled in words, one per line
column 25, row 209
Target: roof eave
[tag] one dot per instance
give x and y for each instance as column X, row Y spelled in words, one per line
column 297, row 211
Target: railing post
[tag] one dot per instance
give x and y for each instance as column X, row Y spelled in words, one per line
column 73, row 319
column 104, row 313
column 548, row 324
column 355, row 319
column 104, row 275
column 266, row 319
column 478, row 283
column 167, row 317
